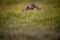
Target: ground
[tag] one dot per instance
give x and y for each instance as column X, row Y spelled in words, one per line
column 32, row 25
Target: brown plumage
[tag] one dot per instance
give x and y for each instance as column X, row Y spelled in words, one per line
column 31, row 7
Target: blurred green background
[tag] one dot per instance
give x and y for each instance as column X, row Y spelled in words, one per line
column 43, row 24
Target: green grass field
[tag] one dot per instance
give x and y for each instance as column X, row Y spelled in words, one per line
column 43, row 24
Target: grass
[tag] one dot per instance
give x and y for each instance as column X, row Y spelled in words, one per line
column 33, row 25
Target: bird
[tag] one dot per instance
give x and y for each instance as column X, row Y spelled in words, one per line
column 31, row 7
